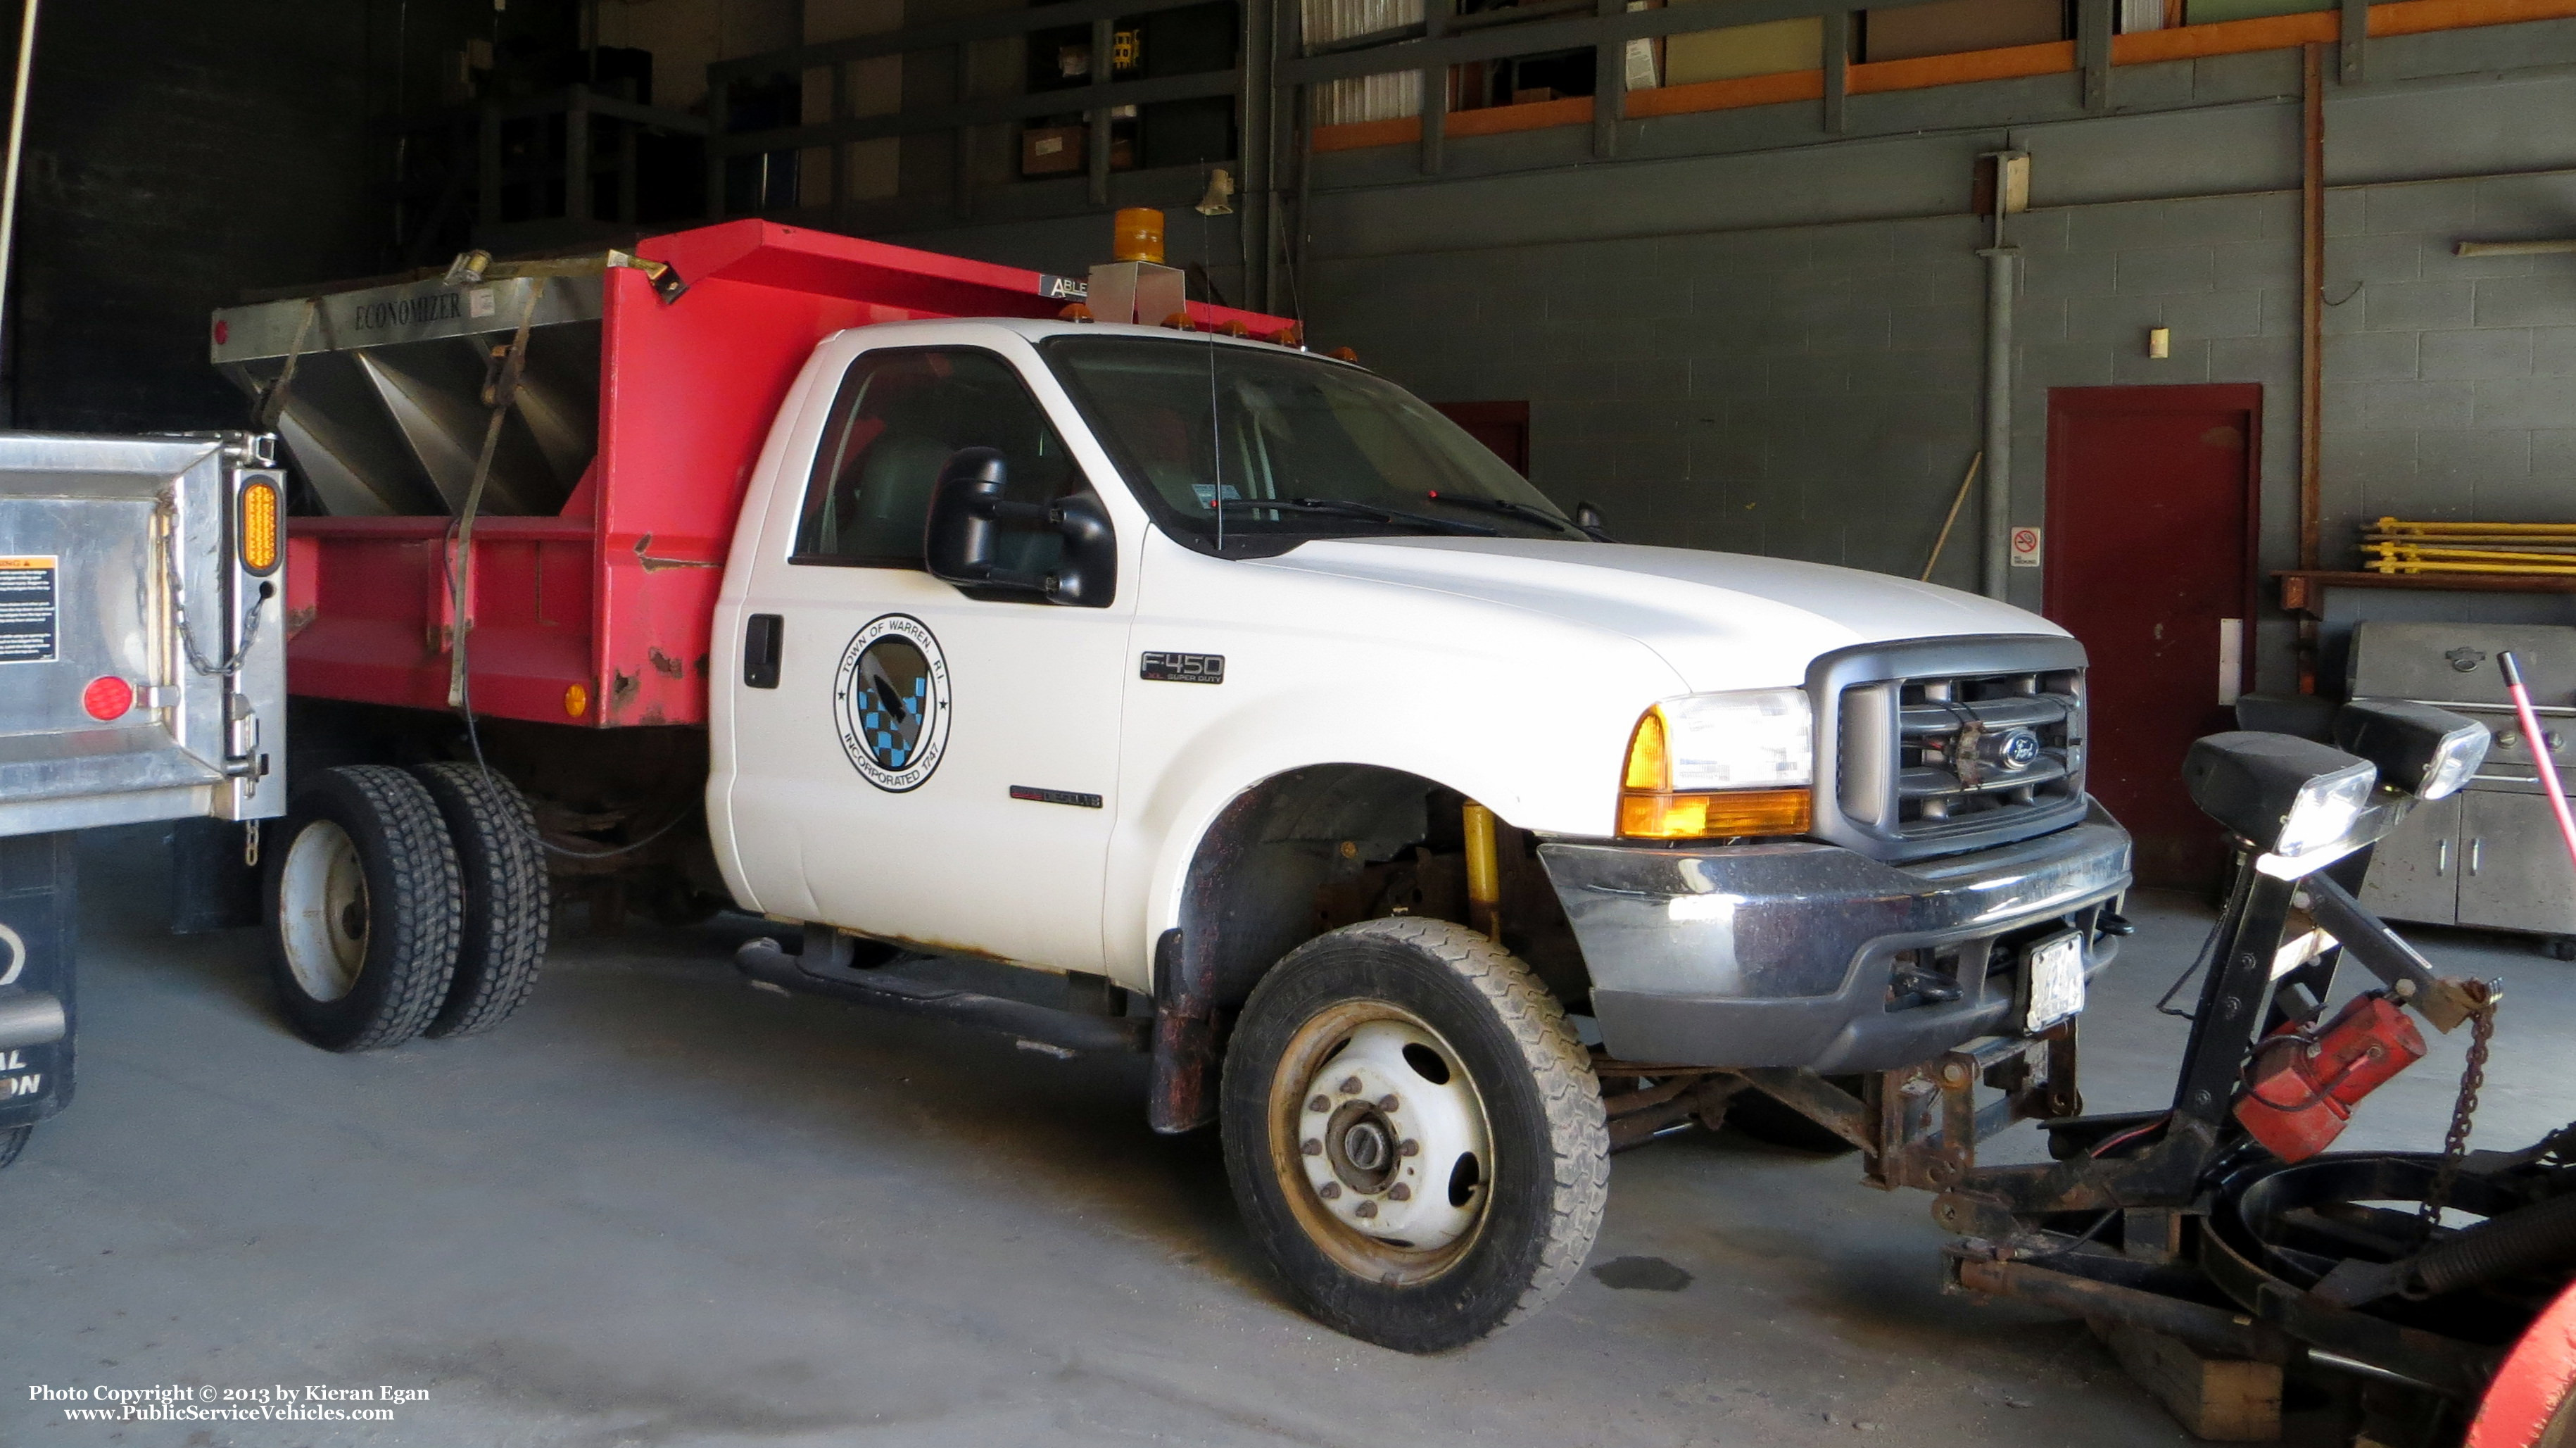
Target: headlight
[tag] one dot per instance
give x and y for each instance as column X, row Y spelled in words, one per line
column 2427, row 752
column 2325, row 808
column 1719, row 765
column 2291, row 797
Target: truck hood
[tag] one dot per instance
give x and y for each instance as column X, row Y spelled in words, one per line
column 1722, row 620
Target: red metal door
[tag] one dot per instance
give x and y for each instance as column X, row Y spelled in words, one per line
column 2150, row 562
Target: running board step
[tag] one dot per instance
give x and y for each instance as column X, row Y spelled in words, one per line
column 767, row 962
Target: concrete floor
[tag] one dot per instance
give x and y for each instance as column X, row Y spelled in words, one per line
column 660, row 1208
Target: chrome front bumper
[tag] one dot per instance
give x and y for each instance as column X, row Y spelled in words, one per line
column 1781, row 954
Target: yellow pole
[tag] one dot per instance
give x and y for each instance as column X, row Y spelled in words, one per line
column 2432, row 529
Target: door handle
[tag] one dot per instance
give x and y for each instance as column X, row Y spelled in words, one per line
column 2442, row 857
column 2477, row 852
column 762, row 636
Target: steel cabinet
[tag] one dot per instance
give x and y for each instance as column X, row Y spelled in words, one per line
column 2513, row 870
column 2415, row 873
column 2489, row 856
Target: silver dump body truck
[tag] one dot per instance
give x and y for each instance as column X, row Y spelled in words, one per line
column 142, row 677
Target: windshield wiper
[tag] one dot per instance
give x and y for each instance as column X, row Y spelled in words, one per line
column 1510, row 509
column 1371, row 511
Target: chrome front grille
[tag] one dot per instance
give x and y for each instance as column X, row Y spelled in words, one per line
column 1953, row 744
column 1970, row 750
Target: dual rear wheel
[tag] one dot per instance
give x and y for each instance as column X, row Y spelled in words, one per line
column 405, row 903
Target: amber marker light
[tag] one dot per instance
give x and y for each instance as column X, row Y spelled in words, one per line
column 259, row 530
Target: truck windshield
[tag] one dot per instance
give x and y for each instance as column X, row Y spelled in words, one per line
column 1205, row 430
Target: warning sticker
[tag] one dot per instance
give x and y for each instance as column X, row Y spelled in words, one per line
column 27, row 621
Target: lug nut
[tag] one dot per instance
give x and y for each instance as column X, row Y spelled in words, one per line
column 1387, row 1103
column 1329, row 1190
column 1320, row 1103
column 1410, row 1148
column 1365, row 1209
column 1399, row 1193
column 1350, row 1085
column 1312, row 1147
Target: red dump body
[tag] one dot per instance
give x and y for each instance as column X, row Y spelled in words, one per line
column 599, row 616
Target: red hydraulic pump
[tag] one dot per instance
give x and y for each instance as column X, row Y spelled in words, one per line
column 2300, row 1088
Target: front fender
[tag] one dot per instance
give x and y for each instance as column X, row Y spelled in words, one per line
column 1548, row 765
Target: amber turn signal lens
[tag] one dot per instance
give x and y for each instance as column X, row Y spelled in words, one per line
column 259, row 526
column 1649, row 763
column 1720, row 815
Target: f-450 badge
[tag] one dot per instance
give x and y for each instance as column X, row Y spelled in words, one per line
column 890, row 702
column 1164, row 668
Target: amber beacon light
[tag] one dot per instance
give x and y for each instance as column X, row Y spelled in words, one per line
column 1718, row 766
column 1139, row 234
column 259, row 526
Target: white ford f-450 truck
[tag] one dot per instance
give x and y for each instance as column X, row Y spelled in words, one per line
column 1391, row 809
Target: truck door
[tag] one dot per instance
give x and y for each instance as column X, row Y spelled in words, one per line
column 929, row 766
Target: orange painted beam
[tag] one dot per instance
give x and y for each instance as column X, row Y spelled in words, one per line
column 1727, row 95
column 2227, row 37
column 1353, row 135
column 2414, row 17
column 2188, row 42
column 1923, row 72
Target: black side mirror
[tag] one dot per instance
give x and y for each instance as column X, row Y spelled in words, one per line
column 969, row 516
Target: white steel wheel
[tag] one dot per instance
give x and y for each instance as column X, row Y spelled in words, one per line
column 1413, row 1133
column 322, row 910
column 363, row 909
column 1384, row 1127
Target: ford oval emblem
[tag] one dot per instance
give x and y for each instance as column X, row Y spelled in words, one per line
column 2017, row 750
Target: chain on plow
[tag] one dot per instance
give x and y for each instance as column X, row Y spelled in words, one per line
column 2464, row 1110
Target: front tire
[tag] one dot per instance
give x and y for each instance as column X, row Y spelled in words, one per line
column 1414, row 1134
column 363, row 909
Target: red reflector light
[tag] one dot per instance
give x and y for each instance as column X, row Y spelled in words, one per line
column 107, row 697
column 223, row 332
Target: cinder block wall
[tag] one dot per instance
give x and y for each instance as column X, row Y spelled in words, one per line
column 1808, row 392
column 1769, row 372
column 2450, row 381
column 177, row 153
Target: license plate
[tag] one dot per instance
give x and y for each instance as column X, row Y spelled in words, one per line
column 2055, row 969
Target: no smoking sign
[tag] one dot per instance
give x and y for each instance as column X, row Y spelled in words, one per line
column 2025, row 548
